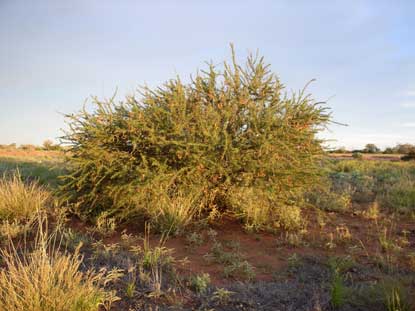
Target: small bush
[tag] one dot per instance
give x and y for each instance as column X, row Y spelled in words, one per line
column 327, row 200
column 400, row 197
column 409, row 157
column 372, row 212
column 153, row 263
column 289, row 218
column 357, row 155
column 27, row 147
column 358, row 185
column 49, row 145
column 194, row 239
column 239, row 269
column 200, row 282
column 234, row 127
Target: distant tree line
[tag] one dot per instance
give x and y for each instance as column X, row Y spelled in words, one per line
column 372, row 148
column 48, row 145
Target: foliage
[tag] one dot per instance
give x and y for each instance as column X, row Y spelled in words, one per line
column 173, row 214
column 235, row 265
column 338, row 291
column 410, row 156
column 371, row 148
column 200, row 282
column 339, row 266
column 391, row 184
column 46, row 279
column 194, row 239
column 49, row 145
column 20, row 201
column 404, row 148
column 153, row 262
column 328, row 200
column 27, row 147
column 396, row 297
column 222, row 295
column 20, row 204
column 400, row 197
column 227, row 128
column 357, row 155
column 239, row 269
column 43, row 168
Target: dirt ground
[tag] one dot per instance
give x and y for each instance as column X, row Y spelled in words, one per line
column 290, row 273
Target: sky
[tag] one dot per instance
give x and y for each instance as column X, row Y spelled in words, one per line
column 54, row 55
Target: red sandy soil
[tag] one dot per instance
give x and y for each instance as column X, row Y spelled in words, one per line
column 268, row 253
column 28, row 153
column 367, row 156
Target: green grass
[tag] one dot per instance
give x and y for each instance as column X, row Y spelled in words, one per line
column 44, row 169
column 391, row 183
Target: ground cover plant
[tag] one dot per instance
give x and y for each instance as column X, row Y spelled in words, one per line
column 46, row 279
column 42, row 166
column 20, row 204
column 355, row 258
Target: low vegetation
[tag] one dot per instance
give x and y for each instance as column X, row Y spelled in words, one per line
column 47, row 278
column 20, row 204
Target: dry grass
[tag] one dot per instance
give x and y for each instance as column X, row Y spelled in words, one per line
column 174, row 214
column 46, row 279
column 19, row 204
column 20, row 201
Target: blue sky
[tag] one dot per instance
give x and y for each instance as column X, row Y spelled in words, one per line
column 55, row 54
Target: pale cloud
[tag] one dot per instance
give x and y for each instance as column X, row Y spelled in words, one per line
column 358, row 140
column 409, row 124
column 410, row 93
column 408, row 104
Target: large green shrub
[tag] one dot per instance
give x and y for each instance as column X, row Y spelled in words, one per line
column 227, row 128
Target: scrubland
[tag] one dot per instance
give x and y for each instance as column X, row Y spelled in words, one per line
column 213, row 195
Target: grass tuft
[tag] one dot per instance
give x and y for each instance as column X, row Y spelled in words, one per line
column 47, row 279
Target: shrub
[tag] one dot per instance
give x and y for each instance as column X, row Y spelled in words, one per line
column 327, row 200
column 400, row 197
column 239, row 269
column 409, row 157
column 228, row 128
column 289, row 218
column 371, row 148
column 200, row 282
column 357, row 184
column 27, row 147
column 357, row 155
column 49, row 145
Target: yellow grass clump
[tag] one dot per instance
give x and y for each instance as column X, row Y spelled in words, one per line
column 20, row 202
column 47, row 279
